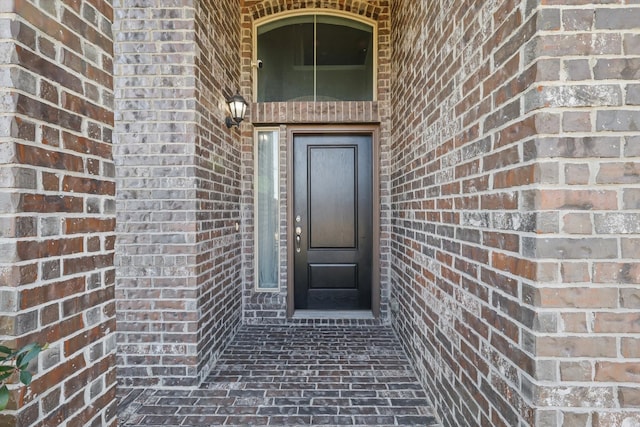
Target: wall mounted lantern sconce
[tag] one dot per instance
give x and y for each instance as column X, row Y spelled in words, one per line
column 238, row 108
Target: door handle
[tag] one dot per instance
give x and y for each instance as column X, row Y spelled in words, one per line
column 298, row 238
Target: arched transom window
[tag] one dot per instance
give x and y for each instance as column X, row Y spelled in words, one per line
column 315, row 58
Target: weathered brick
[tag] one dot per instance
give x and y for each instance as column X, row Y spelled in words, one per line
column 584, row 43
column 19, row 178
column 619, row 173
column 507, row 113
column 578, row 200
column 572, row 272
column 573, row 96
column 576, row 371
column 517, row 177
column 630, row 248
column 617, row 120
column 618, row 223
column 631, row 44
column 9, row 300
column 577, row 223
column 633, row 95
column 593, row 397
column 575, row 418
column 620, row 323
column 548, row 19
column 546, row 418
column 577, row 19
column 577, row 174
column 616, row 68
column 577, row 297
column 576, row 121
column 617, row 372
column 28, row 249
column 30, row 155
column 499, row 201
column 617, row 18
column 629, row 397
column 565, row 248
column 632, row 146
column 569, row 147
column 630, row 347
column 616, row 273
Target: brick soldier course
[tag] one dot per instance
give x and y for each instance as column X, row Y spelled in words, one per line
column 509, row 208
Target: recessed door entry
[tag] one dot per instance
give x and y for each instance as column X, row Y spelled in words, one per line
column 333, row 202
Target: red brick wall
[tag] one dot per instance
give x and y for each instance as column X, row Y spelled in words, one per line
column 514, row 188
column 57, row 208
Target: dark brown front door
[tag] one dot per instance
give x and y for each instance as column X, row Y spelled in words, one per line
column 333, row 221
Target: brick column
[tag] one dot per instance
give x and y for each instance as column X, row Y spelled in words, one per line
column 587, row 295
column 178, row 253
column 57, row 207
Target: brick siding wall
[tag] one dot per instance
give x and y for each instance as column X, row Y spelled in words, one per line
column 57, row 209
column 270, row 307
column 178, row 254
column 218, row 172
column 514, row 191
column 509, row 194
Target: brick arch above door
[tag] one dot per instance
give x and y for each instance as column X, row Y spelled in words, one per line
column 377, row 11
column 372, row 9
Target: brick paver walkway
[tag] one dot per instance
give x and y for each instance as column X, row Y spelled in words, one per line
column 296, row 375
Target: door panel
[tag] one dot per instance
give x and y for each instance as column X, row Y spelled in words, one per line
column 331, row 193
column 333, row 201
column 336, row 276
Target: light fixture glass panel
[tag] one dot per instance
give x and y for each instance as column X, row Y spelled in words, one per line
column 238, row 109
column 267, row 208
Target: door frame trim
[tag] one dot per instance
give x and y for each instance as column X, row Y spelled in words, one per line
column 372, row 130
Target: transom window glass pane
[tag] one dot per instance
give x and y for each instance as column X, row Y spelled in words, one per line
column 315, row 58
column 267, row 205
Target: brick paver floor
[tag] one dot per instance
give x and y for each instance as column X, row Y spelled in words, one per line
column 295, row 375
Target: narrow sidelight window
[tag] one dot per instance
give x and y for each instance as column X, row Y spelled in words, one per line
column 266, row 211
